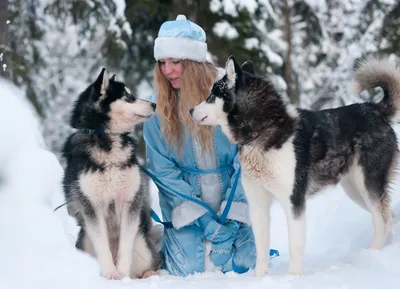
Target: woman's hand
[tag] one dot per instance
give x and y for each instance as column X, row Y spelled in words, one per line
column 222, row 238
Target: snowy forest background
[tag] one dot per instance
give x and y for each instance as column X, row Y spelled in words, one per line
column 54, row 48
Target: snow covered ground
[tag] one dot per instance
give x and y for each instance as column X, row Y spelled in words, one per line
column 37, row 245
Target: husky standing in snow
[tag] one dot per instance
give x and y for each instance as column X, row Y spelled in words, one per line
column 289, row 154
column 102, row 182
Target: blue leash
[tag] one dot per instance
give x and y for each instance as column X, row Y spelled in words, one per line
column 205, row 172
column 158, row 220
column 220, row 219
column 167, row 188
column 224, row 215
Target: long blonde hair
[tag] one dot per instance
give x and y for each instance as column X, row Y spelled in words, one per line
column 196, row 81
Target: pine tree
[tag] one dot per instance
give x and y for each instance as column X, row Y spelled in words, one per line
column 23, row 54
column 308, row 48
column 352, row 31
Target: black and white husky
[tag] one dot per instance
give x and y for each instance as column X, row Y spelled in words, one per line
column 102, row 182
column 289, row 154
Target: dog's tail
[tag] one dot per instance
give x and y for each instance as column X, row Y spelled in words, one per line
column 382, row 73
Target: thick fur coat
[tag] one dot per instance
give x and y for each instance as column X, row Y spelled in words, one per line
column 103, row 185
column 289, row 154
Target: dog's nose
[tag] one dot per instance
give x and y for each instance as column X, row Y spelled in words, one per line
column 191, row 111
column 153, row 105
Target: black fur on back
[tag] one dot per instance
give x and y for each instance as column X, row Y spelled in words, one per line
column 328, row 142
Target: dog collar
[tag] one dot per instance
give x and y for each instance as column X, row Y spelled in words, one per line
column 93, row 131
column 255, row 135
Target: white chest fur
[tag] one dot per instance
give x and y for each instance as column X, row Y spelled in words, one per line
column 274, row 169
column 112, row 184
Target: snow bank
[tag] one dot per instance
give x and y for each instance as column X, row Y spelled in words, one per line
column 37, row 245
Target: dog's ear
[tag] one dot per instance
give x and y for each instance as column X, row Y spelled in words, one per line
column 101, row 85
column 114, row 77
column 233, row 71
column 102, row 82
column 248, row 66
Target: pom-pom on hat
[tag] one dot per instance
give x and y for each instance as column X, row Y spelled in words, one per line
column 181, row 39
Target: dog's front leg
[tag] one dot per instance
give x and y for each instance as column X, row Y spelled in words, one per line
column 259, row 200
column 296, row 221
column 97, row 231
column 128, row 230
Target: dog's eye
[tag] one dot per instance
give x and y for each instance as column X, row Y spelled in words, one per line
column 128, row 97
column 210, row 99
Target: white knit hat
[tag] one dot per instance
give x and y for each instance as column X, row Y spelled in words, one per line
column 181, row 39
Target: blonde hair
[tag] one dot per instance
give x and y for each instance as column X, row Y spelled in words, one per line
column 196, row 81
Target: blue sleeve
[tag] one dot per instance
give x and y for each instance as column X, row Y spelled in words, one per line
column 158, row 162
column 239, row 210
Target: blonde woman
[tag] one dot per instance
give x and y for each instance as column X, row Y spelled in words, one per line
column 195, row 167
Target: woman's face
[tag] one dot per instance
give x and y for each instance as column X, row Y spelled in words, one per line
column 172, row 70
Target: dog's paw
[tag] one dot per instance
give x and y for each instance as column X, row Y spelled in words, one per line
column 291, row 273
column 261, row 270
column 123, row 270
column 113, row 275
column 294, row 269
column 149, row 273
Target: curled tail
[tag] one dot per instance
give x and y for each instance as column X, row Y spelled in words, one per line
column 382, row 73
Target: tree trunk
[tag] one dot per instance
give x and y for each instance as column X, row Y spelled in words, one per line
column 4, row 49
column 288, row 69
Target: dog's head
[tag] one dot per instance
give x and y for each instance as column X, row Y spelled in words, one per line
column 225, row 105
column 224, row 93
column 109, row 104
column 241, row 102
